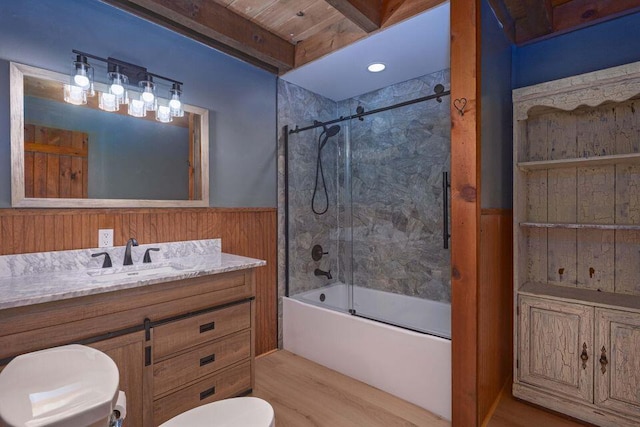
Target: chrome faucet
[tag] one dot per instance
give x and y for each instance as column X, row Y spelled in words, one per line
column 127, row 251
column 319, row 272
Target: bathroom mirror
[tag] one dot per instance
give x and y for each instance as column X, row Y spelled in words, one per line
column 80, row 156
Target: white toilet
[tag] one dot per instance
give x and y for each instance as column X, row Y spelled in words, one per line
column 77, row 386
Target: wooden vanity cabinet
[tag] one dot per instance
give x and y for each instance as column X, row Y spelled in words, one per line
column 576, row 242
column 177, row 344
column 128, row 353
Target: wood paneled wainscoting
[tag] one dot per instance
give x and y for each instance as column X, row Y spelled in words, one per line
column 495, row 308
column 244, row 231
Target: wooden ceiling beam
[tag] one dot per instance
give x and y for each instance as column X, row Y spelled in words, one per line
column 579, row 13
column 537, row 23
column 214, row 25
column 366, row 14
column 501, row 12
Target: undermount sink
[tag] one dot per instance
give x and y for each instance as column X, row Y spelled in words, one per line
column 110, row 274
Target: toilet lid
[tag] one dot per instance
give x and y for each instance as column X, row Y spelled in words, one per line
column 237, row 412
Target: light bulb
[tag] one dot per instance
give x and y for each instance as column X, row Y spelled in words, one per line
column 147, row 96
column 117, row 89
column 175, row 104
column 81, row 79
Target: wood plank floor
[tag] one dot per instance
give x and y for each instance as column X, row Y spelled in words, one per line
column 511, row 412
column 304, row 394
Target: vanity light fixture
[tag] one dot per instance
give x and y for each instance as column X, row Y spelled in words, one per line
column 163, row 114
column 175, row 104
column 148, row 95
column 376, row 67
column 82, row 72
column 121, row 75
column 75, row 95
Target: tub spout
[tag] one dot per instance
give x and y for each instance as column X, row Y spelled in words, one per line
column 319, row 272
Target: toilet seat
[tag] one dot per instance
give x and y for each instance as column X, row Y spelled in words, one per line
column 236, row 412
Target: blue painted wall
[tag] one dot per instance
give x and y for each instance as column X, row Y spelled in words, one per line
column 497, row 139
column 605, row 45
column 241, row 98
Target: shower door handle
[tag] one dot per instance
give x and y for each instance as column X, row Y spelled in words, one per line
column 445, row 209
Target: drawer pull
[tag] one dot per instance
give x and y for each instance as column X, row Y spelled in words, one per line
column 207, row 327
column 208, row 359
column 208, row 392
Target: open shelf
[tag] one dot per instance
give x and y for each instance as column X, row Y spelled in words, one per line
column 580, row 226
column 586, row 161
column 575, row 294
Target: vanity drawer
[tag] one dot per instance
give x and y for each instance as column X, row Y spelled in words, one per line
column 204, row 360
column 182, row 334
column 227, row 383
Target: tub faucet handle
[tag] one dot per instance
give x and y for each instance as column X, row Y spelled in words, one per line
column 317, row 252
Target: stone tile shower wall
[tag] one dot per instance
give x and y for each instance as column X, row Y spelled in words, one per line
column 398, row 157
column 298, row 106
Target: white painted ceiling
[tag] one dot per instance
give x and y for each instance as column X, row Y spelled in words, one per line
column 413, row 48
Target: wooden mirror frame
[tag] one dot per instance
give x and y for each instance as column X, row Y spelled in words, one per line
column 18, row 199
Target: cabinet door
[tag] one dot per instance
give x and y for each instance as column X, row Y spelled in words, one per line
column 553, row 337
column 128, row 353
column 617, row 375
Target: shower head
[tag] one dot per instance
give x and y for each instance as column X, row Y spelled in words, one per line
column 332, row 131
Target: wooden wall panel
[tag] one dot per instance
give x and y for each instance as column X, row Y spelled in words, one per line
column 465, row 209
column 495, row 307
column 244, row 231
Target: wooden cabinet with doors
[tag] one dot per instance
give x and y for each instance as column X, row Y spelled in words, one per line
column 554, row 336
column 127, row 351
column 617, row 361
column 576, row 243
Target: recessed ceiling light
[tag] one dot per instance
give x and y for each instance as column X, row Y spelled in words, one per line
column 376, row 67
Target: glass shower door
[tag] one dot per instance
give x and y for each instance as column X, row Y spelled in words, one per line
column 400, row 270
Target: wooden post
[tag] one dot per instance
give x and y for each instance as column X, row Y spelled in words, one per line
column 465, row 207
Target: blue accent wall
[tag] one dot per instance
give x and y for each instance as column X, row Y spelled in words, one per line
column 604, row 45
column 240, row 97
column 496, row 120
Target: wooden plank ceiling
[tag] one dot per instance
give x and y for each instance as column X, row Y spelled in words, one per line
column 528, row 20
column 277, row 35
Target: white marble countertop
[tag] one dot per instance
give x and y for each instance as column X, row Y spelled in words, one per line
column 38, row 287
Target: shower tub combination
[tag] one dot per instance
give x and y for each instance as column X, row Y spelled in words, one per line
column 412, row 365
column 374, row 209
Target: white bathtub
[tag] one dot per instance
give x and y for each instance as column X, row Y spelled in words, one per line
column 411, row 365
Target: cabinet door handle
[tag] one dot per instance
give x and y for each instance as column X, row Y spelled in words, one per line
column 208, row 392
column 207, row 359
column 603, row 360
column 584, row 356
column 207, row 327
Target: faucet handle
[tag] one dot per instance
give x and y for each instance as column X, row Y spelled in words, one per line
column 107, row 259
column 147, row 255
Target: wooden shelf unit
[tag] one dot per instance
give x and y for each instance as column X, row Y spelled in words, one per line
column 577, row 245
column 631, row 158
column 575, row 226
